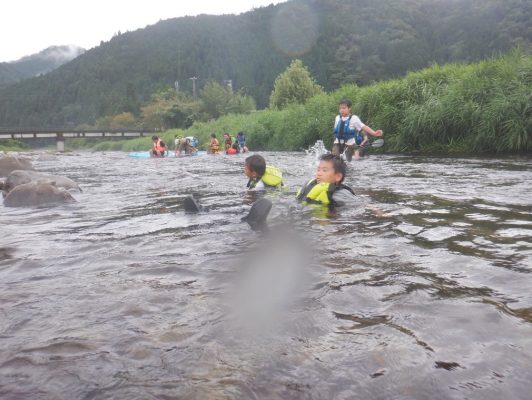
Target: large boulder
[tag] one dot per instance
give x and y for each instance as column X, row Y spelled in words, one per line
column 11, row 163
column 36, row 194
column 18, row 177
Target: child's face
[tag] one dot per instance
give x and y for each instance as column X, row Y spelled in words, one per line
column 344, row 110
column 326, row 174
column 249, row 173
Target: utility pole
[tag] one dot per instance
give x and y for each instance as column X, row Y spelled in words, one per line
column 193, row 79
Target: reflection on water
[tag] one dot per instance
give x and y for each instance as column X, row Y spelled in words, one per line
column 423, row 291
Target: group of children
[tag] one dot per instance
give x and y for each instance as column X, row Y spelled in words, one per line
column 188, row 145
column 230, row 146
column 327, row 187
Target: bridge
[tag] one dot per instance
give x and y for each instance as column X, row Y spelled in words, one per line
column 62, row 134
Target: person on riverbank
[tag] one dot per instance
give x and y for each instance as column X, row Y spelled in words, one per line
column 327, row 188
column 350, row 134
column 262, row 176
column 214, row 145
column 159, row 147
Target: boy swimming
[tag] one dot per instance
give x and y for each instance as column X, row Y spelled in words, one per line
column 327, row 188
column 261, row 176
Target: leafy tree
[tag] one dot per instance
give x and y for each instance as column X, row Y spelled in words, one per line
column 170, row 110
column 295, row 85
column 123, row 120
column 218, row 100
column 214, row 99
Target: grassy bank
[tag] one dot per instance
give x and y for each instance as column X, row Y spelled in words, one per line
column 12, row 145
column 479, row 108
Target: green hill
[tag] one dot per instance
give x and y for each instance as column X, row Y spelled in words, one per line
column 359, row 41
column 37, row 64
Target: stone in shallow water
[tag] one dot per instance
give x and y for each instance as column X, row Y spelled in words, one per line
column 35, row 194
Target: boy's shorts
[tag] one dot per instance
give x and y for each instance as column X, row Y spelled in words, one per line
column 349, row 142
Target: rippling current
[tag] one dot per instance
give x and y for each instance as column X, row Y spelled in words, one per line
column 423, row 291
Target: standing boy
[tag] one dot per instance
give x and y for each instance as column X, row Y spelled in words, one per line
column 350, row 132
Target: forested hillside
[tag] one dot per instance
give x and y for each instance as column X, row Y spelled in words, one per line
column 37, row 64
column 357, row 41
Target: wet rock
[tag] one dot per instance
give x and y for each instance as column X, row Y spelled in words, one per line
column 11, row 163
column 35, row 194
column 18, row 177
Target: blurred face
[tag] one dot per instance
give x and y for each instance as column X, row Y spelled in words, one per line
column 344, row 110
column 326, row 174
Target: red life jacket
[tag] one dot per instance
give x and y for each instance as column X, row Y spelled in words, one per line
column 157, row 146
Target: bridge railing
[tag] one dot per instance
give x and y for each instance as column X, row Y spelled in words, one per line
column 62, row 134
column 71, row 133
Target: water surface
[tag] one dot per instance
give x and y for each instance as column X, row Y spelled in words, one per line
column 422, row 291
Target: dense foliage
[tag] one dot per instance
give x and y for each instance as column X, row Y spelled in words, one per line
column 293, row 86
column 358, row 42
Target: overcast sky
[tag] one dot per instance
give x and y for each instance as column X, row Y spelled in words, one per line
column 29, row 26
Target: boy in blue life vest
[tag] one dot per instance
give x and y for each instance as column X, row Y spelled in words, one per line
column 327, row 188
column 261, row 176
column 241, row 140
column 350, row 134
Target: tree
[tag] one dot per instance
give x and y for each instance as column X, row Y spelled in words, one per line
column 123, row 120
column 170, row 110
column 294, row 85
column 218, row 100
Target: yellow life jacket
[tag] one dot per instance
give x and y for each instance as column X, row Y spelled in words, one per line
column 273, row 177
column 320, row 193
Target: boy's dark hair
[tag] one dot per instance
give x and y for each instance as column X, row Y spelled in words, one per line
column 213, row 135
column 154, row 137
column 345, row 102
column 337, row 162
column 256, row 164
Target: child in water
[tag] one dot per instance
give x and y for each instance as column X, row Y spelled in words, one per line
column 214, row 145
column 228, row 142
column 261, row 176
column 159, row 147
column 349, row 132
column 241, row 140
column 327, row 188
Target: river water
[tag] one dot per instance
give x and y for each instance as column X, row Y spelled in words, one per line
column 423, row 291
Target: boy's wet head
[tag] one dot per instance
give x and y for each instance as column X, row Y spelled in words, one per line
column 331, row 169
column 344, row 107
column 254, row 166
